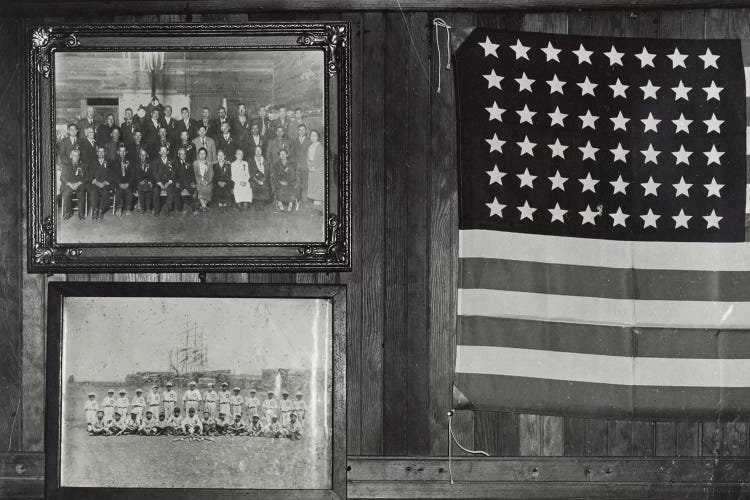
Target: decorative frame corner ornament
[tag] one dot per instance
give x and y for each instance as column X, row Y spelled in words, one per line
column 335, row 250
column 46, row 39
column 46, row 252
column 335, row 38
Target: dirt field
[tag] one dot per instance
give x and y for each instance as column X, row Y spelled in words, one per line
column 160, row 462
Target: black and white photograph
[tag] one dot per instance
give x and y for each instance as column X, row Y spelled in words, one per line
column 190, row 146
column 225, row 393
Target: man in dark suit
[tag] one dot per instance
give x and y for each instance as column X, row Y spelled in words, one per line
column 241, row 127
column 164, row 175
column 276, row 145
column 155, row 105
column 299, row 147
column 226, row 142
column 184, row 183
column 134, row 149
column 207, row 122
column 255, row 139
column 88, row 148
column 150, row 130
column 124, row 182
column 129, row 127
column 219, row 121
column 162, row 141
column 282, row 121
column 104, row 132
column 189, row 147
column 102, row 184
column 170, row 124
column 74, row 178
column 264, row 123
column 111, row 146
column 68, row 144
column 186, row 124
column 87, row 121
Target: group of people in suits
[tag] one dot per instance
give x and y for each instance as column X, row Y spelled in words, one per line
column 174, row 165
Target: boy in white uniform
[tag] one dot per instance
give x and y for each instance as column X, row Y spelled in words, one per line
column 300, row 408
column 138, row 403
column 294, row 431
column 170, row 400
column 99, row 427
column 108, row 405
column 270, row 407
column 192, row 423
column 148, row 425
column 154, row 401
column 210, row 398
column 192, row 398
column 253, row 403
column 90, row 409
column 237, row 402
column 225, row 400
column 285, row 408
column 122, row 404
column 132, row 424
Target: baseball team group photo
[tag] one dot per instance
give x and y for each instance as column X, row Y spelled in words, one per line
column 188, row 393
column 190, row 147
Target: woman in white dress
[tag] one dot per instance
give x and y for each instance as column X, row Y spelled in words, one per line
column 316, row 169
column 243, row 191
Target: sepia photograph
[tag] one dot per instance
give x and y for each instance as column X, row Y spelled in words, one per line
column 186, row 147
column 187, row 392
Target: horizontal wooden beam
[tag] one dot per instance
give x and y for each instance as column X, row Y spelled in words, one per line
column 81, row 8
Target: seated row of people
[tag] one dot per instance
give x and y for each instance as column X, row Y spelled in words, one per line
column 192, row 425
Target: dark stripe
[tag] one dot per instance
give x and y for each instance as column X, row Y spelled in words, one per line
column 556, row 397
column 604, row 282
column 603, row 339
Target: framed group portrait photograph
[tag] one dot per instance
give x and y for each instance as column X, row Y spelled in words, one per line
column 188, row 147
column 209, row 391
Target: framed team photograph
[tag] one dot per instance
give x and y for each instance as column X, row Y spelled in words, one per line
column 188, row 147
column 191, row 390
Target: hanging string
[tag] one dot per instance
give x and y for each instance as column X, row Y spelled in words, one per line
column 450, row 446
column 439, row 22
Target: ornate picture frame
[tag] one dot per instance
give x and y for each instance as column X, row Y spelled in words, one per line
column 84, row 463
column 329, row 250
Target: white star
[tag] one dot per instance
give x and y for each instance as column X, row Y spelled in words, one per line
column 496, row 176
column 650, row 123
column 490, row 49
column 709, row 59
column 618, row 89
column 496, row 113
column 527, row 147
column 649, row 90
column 681, row 124
column 558, row 149
column 714, row 189
column 589, row 151
column 712, row 220
column 587, row 87
column 526, row 115
column 551, row 52
column 682, row 156
column 558, row 181
column 588, row 216
column 647, row 59
column 557, row 213
column 557, row 117
column 521, row 50
column 495, row 208
column 713, row 124
column 650, row 154
column 495, row 144
column 614, row 56
column 619, row 121
column 588, row 120
column 589, row 183
column 713, row 91
column 618, row 218
column 555, row 85
column 682, row 188
column 583, row 54
column 714, row 156
column 619, row 185
column 677, row 58
column 681, row 219
column 681, row 91
column 650, row 187
column 649, row 219
column 526, row 179
column 526, row 211
column 524, row 83
column 493, row 80
column 620, row 153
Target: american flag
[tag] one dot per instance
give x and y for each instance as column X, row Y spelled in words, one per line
column 603, row 255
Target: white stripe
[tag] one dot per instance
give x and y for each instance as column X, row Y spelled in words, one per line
column 488, row 244
column 747, row 81
column 597, row 368
column 747, row 140
column 600, row 311
column 747, row 192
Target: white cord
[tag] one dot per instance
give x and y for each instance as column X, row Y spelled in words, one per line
column 439, row 22
column 450, row 447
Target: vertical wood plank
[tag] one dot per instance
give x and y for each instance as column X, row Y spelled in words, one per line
column 596, row 438
column 529, row 435
column 463, row 429
column 372, row 225
column 666, row 439
column 395, row 329
column 509, row 435
column 687, row 437
column 619, row 438
column 643, row 439
column 574, row 444
column 711, row 439
column 735, row 438
column 487, row 432
column 418, row 205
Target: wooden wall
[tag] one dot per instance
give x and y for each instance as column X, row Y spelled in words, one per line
column 402, row 289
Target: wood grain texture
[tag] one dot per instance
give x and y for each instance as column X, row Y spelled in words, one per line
column 11, row 340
